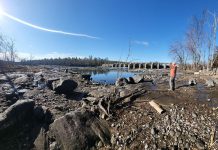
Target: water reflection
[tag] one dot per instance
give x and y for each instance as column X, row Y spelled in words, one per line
column 104, row 75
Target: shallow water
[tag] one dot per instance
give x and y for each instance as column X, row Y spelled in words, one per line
column 111, row 76
column 207, row 95
column 202, row 94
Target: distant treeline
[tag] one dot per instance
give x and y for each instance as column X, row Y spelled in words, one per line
column 70, row 61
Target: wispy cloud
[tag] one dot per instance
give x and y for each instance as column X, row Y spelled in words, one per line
column 141, row 43
column 46, row 29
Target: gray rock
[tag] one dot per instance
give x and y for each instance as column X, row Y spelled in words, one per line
column 192, row 82
column 42, row 143
column 187, row 145
column 16, row 113
column 200, row 145
column 6, row 86
column 146, row 146
column 64, row 86
column 43, row 114
column 178, row 134
column 153, row 131
column 53, row 146
column 23, row 80
column 193, row 139
column 215, row 81
column 125, row 93
column 131, row 80
column 22, row 91
column 113, row 140
column 172, row 133
column 50, row 81
column 100, row 144
column 210, row 83
column 180, row 141
column 138, row 78
column 80, row 130
column 194, row 115
column 195, row 130
column 12, row 95
column 3, row 79
column 121, row 82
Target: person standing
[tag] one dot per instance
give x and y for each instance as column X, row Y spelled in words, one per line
column 173, row 69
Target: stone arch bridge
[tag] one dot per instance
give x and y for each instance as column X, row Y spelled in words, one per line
column 151, row 65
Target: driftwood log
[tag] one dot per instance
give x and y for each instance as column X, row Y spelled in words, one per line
column 156, row 107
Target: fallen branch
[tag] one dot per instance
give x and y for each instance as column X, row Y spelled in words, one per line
column 101, row 107
column 108, row 106
column 212, row 137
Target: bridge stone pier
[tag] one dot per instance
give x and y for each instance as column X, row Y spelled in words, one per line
column 132, row 66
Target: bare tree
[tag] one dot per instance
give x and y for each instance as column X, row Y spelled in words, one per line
column 1, row 43
column 11, row 51
column 211, row 40
column 178, row 51
column 195, row 38
column 7, row 51
column 200, row 41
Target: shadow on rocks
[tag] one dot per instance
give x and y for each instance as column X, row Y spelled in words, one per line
column 21, row 124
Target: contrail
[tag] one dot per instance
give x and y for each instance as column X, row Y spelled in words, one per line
column 45, row 29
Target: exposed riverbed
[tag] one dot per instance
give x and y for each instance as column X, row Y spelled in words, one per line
column 190, row 112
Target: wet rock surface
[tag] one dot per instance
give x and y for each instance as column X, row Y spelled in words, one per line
column 73, row 113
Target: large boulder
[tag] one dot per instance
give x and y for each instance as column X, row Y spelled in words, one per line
column 138, row 78
column 79, row 130
column 64, row 86
column 16, row 113
column 121, row 82
column 24, row 126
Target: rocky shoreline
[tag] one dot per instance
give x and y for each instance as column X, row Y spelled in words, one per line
column 57, row 109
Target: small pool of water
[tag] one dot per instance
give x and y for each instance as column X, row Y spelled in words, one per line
column 111, row 76
column 202, row 94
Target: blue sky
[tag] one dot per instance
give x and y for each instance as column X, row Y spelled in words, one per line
column 150, row 25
